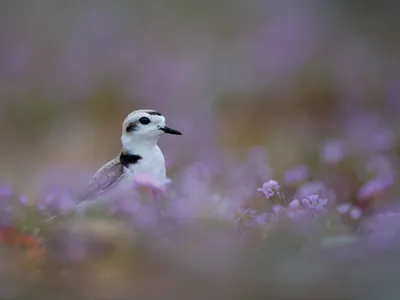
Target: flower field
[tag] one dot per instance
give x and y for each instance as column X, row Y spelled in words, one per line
column 284, row 184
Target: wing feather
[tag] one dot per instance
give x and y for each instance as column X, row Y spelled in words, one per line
column 104, row 179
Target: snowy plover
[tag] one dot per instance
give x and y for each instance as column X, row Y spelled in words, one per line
column 140, row 156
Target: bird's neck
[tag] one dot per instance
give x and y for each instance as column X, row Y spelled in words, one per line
column 141, row 147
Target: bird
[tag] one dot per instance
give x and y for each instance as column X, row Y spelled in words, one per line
column 140, row 156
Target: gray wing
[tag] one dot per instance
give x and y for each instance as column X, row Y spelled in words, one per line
column 104, row 179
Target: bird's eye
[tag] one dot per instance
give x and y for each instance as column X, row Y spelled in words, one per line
column 144, row 120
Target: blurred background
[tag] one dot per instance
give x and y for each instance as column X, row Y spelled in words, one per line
column 233, row 73
column 297, row 78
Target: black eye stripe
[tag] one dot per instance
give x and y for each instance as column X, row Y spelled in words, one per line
column 131, row 127
column 144, row 120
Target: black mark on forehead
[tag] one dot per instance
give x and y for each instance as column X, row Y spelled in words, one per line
column 154, row 113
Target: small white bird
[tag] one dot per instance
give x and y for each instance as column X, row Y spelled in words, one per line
column 140, row 155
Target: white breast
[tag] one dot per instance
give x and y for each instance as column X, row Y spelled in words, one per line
column 152, row 164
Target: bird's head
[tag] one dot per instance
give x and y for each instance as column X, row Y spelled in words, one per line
column 144, row 126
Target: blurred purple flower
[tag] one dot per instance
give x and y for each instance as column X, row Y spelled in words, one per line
column 305, row 209
column 277, row 209
column 347, row 209
column 383, row 226
column 126, row 203
column 333, row 151
column 314, row 202
column 297, row 214
column 56, row 201
column 343, row 208
column 355, row 213
column 294, row 205
column 182, row 209
column 248, row 212
column 375, row 186
column 146, row 217
column 383, row 139
column 223, row 207
column 248, row 217
column 6, row 191
column 261, row 219
column 270, row 188
column 24, row 200
column 296, row 175
column 6, row 205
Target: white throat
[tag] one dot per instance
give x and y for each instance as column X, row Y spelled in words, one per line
column 135, row 145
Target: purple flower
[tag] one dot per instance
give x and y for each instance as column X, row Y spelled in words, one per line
column 24, row 200
column 315, row 202
column 55, row 202
column 375, row 186
column 277, row 209
column 355, row 213
column 294, row 205
column 347, row 209
column 383, row 139
column 332, row 152
column 261, row 219
column 296, row 174
column 223, row 207
column 343, row 208
column 248, row 212
column 270, row 188
column 42, row 206
column 383, row 226
column 297, row 214
column 6, row 191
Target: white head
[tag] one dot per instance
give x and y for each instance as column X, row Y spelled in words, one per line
column 144, row 126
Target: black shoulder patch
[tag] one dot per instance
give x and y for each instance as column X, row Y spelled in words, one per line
column 127, row 159
column 154, row 113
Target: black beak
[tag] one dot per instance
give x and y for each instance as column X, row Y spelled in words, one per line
column 170, row 130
